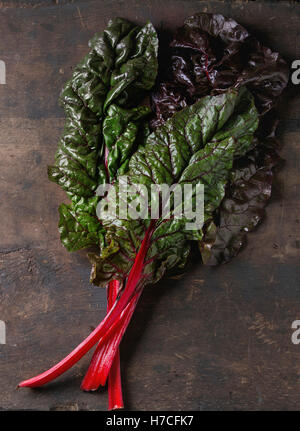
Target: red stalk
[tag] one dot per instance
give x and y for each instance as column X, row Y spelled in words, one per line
column 88, row 383
column 115, row 396
column 108, row 357
column 108, row 324
column 114, row 382
column 103, row 357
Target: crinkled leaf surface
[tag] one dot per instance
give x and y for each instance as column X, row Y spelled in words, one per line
column 197, row 145
column 123, row 131
column 103, row 123
column 243, row 206
column 79, row 226
column 211, row 53
column 207, row 55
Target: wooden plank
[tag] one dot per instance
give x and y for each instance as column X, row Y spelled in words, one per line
column 213, row 339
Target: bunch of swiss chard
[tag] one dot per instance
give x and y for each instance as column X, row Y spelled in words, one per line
column 212, row 123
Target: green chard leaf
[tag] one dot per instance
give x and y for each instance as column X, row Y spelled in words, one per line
column 123, row 130
column 104, row 123
column 79, row 226
column 198, row 145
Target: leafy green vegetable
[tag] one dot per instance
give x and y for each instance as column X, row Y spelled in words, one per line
column 207, row 55
column 79, row 226
column 197, row 145
column 102, row 129
column 123, row 131
column 216, row 139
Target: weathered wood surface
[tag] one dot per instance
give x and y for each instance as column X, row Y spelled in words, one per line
column 216, row 339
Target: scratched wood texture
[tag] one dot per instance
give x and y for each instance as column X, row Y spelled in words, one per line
column 216, row 339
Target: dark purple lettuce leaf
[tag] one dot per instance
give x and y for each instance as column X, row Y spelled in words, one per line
column 207, row 55
column 211, row 53
column 243, row 206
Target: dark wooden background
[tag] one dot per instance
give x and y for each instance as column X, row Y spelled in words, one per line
column 215, row 339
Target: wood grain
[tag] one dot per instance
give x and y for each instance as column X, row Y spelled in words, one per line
column 215, row 339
